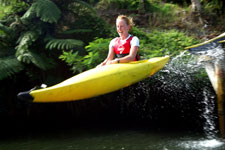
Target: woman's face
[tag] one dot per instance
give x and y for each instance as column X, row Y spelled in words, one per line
column 122, row 27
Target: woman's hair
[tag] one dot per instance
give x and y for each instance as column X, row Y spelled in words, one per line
column 128, row 20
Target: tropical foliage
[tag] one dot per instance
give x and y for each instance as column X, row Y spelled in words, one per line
column 97, row 52
column 39, row 33
column 22, row 34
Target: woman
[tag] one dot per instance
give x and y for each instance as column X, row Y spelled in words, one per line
column 125, row 47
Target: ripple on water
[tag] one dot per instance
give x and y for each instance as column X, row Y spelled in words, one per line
column 202, row 144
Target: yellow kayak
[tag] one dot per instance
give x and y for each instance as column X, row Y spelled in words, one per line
column 97, row 81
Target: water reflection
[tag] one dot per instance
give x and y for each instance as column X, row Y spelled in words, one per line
column 110, row 139
column 202, row 144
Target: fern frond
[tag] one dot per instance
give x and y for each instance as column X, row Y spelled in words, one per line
column 25, row 40
column 9, row 66
column 45, row 9
column 24, row 56
column 38, row 59
column 63, row 44
column 29, row 14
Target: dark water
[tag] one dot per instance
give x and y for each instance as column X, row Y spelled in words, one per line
column 176, row 105
column 110, row 138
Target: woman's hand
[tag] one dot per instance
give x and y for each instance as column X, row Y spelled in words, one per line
column 114, row 61
column 101, row 64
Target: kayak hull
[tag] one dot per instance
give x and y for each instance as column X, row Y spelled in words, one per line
column 98, row 81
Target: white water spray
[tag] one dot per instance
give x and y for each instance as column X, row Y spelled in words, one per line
column 181, row 71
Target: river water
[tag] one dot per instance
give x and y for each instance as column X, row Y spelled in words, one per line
column 110, row 138
column 128, row 134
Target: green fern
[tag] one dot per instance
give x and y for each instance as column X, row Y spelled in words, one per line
column 30, row 14
column 9, row 66
column 45, row 9
column 24, row 56
column 38, row 59
column 63, row 44
column 25, row 40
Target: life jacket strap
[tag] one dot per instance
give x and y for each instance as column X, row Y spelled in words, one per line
column 122, row 55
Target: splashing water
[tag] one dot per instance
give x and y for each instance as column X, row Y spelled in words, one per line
column 180, row 81
column 208, row 114
column 181, row 71
column 214, row 56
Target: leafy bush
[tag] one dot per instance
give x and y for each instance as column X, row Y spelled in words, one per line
column 165, row 14
column 213, row 6
column 97, row 52
column 167, row 9
column 129, row 5
column 166, row 43
column 139, row 33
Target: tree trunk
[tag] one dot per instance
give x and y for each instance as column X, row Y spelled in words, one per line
column 196, row 6
column 196, row 11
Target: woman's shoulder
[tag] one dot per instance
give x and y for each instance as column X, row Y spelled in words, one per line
column 112, row 42
column 135, row 38
column 135, row 41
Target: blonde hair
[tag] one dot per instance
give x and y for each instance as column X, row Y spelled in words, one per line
column 128, row 20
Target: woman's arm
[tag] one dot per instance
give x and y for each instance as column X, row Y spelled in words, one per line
column 109, row 57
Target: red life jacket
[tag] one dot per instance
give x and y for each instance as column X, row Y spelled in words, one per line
column 122, row 49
